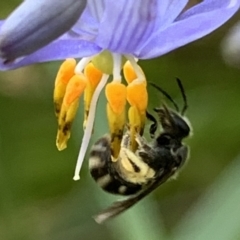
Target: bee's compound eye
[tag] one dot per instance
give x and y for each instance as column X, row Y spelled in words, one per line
column 182, row 154
column 164, row 140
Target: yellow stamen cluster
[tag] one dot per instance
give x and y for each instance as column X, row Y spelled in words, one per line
column 68, row 89
column 65, row 73
column 137, row 97
column 117, row 95
column 75, row 79
column 94, row 76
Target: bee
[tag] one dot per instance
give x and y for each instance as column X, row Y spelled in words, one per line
column 136, row 174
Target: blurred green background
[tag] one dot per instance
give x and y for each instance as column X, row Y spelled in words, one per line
column 39, row 199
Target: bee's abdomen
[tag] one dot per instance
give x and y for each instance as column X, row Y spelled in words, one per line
column 99, row 156
column 103, row 172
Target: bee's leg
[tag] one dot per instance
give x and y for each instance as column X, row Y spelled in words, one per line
column 145, row 151
column 126, row 140
column 142, row 143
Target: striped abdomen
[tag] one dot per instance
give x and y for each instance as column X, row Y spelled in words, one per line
column 105, row 172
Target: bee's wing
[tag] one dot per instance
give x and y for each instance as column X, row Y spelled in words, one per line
column 122, row 205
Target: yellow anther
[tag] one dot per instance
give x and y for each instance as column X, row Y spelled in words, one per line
column 93, row 76
column 129, row 72
column 69, row 107
column 136, row 125
column 116, row 125
column 116, row 96
column 66, row 71
column 74, row 89
column 137, row 97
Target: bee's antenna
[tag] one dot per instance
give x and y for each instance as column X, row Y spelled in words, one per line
column 185, row 106
column 167, row 95
column 154, row 125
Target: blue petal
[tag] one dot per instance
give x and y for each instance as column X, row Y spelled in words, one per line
column 126, row 25
column 204, row 19
column 88, row 25
column 36, row 23
column 174, row 8
column 65, row 47
column 207, row 6
column 96, row 8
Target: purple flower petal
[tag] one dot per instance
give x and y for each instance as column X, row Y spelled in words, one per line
column 127, row 24
column 65, row 47
column 174, row 8
column 145, row 29
column 36, row 23
column 206, row 6
column 189, row 28
column 88, row 25
column 96, row 8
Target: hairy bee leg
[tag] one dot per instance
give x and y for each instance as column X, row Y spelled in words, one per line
column 140, row 140
column 142, row 143
column 126, row 140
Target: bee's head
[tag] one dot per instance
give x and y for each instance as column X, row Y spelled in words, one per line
column 172, row 123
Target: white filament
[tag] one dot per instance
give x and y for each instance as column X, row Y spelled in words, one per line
column 82, row 64
column 140, row 75
column 89, row 126
column 117, row 65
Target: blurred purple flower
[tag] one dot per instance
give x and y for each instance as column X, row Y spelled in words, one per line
column 143, row 29
column 36, row 23
column 231, row 46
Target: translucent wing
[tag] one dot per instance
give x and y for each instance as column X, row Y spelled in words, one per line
column 122, row 205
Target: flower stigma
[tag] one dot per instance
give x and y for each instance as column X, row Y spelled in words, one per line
column 88, row 77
